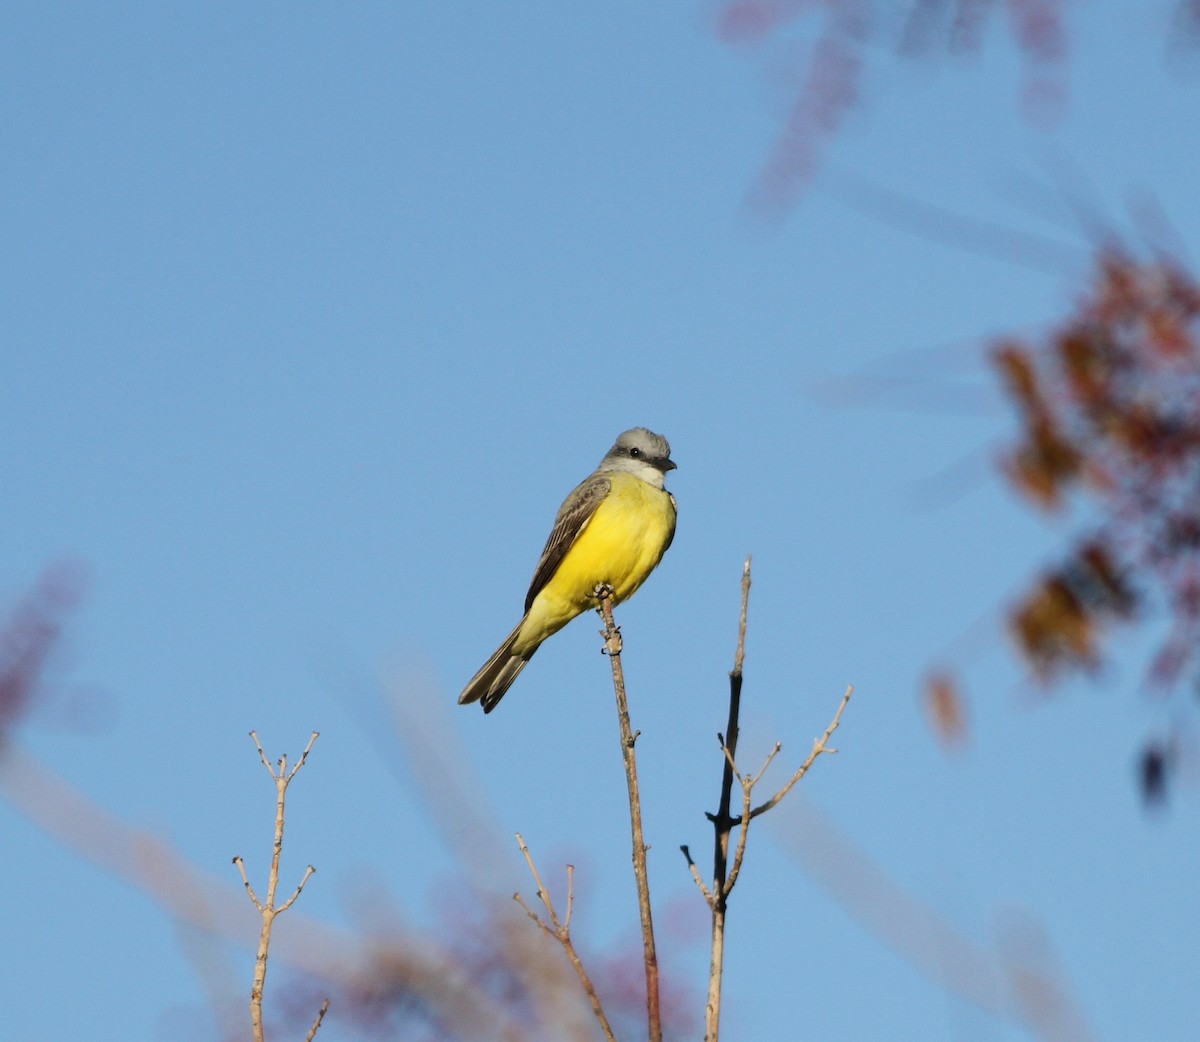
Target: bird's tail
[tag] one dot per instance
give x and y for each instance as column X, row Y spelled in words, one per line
column 497, row 674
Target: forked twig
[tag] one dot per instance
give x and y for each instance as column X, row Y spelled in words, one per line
column 820, row 747
column 725, row 872
column 267, row 909
column 561, row 931
column 747, row 794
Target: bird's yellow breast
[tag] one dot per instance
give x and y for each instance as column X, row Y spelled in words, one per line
column 620, row 545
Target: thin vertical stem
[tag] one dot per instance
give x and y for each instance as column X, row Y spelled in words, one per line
column 267, row 909
column 612, row 638
column 722, row 825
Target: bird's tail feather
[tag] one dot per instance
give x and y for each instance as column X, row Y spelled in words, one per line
column 497, row 674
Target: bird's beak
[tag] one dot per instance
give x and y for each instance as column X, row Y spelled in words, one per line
column 669, row 465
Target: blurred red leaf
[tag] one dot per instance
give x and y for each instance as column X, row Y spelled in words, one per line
column 946, row 708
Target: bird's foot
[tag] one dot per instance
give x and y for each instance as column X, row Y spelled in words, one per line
column 611, row 632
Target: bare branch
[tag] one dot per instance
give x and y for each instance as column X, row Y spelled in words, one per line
column 262, row 755
column 739, row 656
column 304, row 755
column 317, row 1023
column 291, row 900
column 267, row 909
column 561, row 931
column 570, row 896
column 766, row 763
column 708, row 897
column 542, row 893
column 718, row 896
column 533, row 915
column 748, row 785
column 820, row 746
column 740, row 852
column 612, row 638
column 729, row 760
column 725, row 869
column 241, row 866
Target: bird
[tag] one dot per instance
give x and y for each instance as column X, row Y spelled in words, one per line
column 611, row 530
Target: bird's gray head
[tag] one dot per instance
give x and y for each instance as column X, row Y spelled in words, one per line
column 642, row 452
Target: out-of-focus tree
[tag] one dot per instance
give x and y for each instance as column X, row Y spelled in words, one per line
column 1108, row 406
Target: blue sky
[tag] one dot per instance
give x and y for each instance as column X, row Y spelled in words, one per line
column 311, row 316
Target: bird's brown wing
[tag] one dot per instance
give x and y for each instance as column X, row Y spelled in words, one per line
column 573, row 516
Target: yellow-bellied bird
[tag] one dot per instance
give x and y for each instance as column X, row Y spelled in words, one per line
column 613, row 528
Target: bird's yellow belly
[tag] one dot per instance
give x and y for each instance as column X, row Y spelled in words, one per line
column 621, row 544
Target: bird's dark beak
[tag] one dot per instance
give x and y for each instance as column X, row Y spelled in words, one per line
column 669, row 465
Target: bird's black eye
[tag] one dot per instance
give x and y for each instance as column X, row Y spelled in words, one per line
column 635, row 453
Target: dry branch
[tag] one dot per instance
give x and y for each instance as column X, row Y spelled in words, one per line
column 725, row 872
column 560, row 930
column 612, row 647
column 267, row 909
column 820, row 747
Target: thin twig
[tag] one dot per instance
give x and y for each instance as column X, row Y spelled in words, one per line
column 291, row 900
column 612, row 643
column 740, row 852
column 561, row 931
column 725, row 870
column 747, row 795
column 241, row 867
column 820, row 747
column 267, row 909
column 570, row 896
column 739, row 656
column 708, row 897
column 312, row 1032
column 304, row 755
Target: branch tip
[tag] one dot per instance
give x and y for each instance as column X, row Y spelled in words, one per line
column 312, row 1033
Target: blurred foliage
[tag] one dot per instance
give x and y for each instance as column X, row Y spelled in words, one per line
column 1108, row 411
column 502, row 979
column 827, row 48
